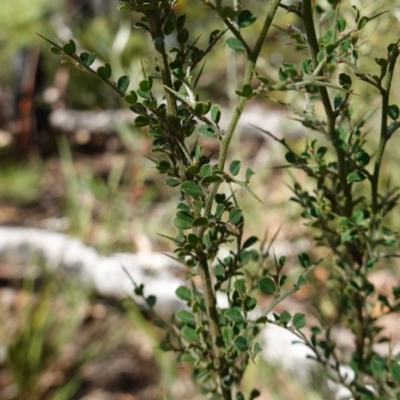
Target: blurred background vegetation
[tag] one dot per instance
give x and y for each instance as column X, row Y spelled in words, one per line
column 97, row 185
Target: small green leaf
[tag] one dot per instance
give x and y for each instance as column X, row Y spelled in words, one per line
column 234, row 314
column 219, row 270
column 340, row 144
column 357, row 11
column 256, row 349
column 285, row 317
column 185, row 316
column 249, row 303
column 267, row 285
column 382, row 62
column 227, row 333
column 362, row 158
column 215, row 113
column 249, row 174
column 211, row 179
column 321, row 152
column 246, row 91
column 234, row 167
column 189, row 333
column 191, row 188
column 290, row 157
column 146, row 85
column 235, row 216
column 201, row 221
column 304, row 260
column 355, row 176
column 246, row 18
column 234, row 44
column 55, row 50
column 151, row 300
column 206, row 130
column 182, row 36
column 362, row 22
column 240, row 285
column 193, row 239
column 168, row 27
column 131, row 98
column 183, row 293
column 142, row 121
column 104, row 72
column 249, row 242
column 193, row 169
column 172, row 182
column 348, row 236
column 377, row 366
column 341, row 24
column 345, row 81
column 395, row 372
column 183, row 220
column 358, row 216
column 393, row 111
column 307, row 66
column 299, row 320
column 123, row 83
column 241, row 343
column 69, row 48
column 301, row 280
column 202, row 108
column 87, row 58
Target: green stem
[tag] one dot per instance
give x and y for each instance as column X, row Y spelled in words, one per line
column 162, row 57
column 384, row 137
column 215, row 330
column 330, row 115
column 250, row 66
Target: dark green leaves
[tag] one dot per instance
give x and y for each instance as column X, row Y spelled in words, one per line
column 299, row 320
column 206, row 130
column 104, row 72
column 234, row 167
column 202, row 108
column 185, row 316
column 234, row 44
column 189, row 333
column 123, row 83
column 55, row 50
column 304, row 260
column 249, row 174
column 340, row 24
column 215, row 113
column 246, row 91
column 267, row 285
column 234, row 314
column 183, row 293
column 146, row 85
column 87, row 58
column 235, row 216
column 393, row 111
column 250, row 241
column 306, row 66
column 395, row 372
column 246, row 18
column 191, row 188
column 69, row 48
column 131, row 98
column 241, row 343
column 183, row 220
column 355, row 176
column 345, row 81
